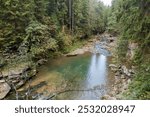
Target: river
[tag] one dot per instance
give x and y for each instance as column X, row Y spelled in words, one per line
column 82, row 77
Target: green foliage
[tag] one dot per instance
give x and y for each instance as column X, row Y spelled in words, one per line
column 93, row 17
column 122, row 47
column 113, row 26
column 22, row 13
column 140, row 86
column 64, row 41
column 131, row 19
column 34, row 27
column 39, row 38
column 57, row 10
column 14, row 16
column 134, row 19
column 85, row 17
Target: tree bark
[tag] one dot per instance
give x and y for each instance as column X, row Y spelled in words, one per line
column 71, row 15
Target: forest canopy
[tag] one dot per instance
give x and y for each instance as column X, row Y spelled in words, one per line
column 29, row 25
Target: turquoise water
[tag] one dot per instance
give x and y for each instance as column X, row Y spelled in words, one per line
column 82, row 77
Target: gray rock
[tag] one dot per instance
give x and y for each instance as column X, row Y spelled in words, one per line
column 112, row 65
column 4, row 89
column 116, row 77
column 2, row 81
column 41, row 61
column 114, row 69
column 117, row 73
column 17, row 73
column 132, row 71
column 129, row 74
column 14, row 76
column 106, row 97
column 15, row 81
column 14, row 72
column 126, row 71
column 21, row 83
column 122, row 76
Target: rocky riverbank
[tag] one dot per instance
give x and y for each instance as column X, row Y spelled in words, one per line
column 103, row 42
column 13, row 79
column 123, row 73
column 123, row 77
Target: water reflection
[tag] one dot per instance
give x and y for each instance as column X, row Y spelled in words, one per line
column 97, row 71
column 96, row 77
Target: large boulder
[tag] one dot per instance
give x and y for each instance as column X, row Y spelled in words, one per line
column 16, row 73
column 4, row 89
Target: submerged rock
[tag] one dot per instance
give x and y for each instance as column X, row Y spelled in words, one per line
column 4, row 89
column 71, row 55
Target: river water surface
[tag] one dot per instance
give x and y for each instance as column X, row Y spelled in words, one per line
column 83, row 77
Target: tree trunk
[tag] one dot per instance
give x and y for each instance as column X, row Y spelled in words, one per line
column 70, row 22
column 71, row 15
column 72, row 25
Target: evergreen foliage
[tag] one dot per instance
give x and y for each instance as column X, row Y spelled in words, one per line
column 131, row 19
column 38, row 25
